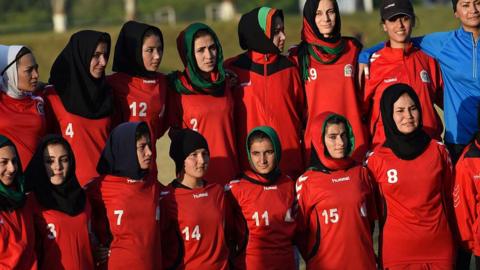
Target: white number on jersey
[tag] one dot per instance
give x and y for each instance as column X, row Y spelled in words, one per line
column 142, row 106
column 69, row 130
column 195, row 233
column 264, row 217
column 392, row 176
column 330, row 215
column 194, row 123
column 312, row 74
column 53, row 232
column 119, row 217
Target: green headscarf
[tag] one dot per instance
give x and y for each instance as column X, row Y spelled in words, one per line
column 12, row 197
column 190, row 81
column 277, row 148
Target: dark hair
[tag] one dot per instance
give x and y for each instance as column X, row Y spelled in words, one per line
column 336, row 119
column 257, row 135
column 201, row 33
column 454, row 4
column 153, row 32
column 57, row 141
column 142, row 131
column 23, row 51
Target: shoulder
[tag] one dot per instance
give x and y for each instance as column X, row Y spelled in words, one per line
column 353, row 42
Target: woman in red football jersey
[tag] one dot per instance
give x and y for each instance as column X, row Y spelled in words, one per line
column 195, row 213
column 335, row 197
column 264, row 207
column 139, row 90
column 62, row 214
column 201, row 99
column 23, row 118
column 413, row 176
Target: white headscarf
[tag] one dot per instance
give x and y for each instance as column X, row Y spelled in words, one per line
column 9, row 79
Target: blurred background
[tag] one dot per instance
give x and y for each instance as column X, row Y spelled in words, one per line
column 46, row 25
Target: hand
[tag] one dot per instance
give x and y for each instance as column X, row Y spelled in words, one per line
column 363, row 73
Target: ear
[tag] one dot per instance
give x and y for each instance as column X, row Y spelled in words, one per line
column 384, row 27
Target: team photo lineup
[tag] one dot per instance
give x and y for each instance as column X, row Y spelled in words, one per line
column 284, row 158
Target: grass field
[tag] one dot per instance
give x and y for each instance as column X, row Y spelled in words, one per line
column 47, row 45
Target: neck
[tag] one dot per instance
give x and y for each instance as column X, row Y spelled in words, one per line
column 191, row 182
column 399, row 45
column 474, row 30
column 205, row 75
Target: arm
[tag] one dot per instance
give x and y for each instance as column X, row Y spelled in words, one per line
column 432, row 43
column 465, row 204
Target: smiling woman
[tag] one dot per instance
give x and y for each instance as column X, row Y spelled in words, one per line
column 24, row 120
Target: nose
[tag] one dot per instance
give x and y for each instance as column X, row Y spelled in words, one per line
column 35, row 73
column 102, row 61
column 148, row 151
column 283, row 36
column 11, row 167
column 339, row 141
column 156, row 54
column 474, row 8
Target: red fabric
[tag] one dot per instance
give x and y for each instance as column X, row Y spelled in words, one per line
column 337, row 208
column 466, row 199
column 417, row 199
column 276, row 100
column 268, row 246
column 198, row 219
column 63, row 240
column 390, row 66
column 23, row 122
column 17, row 239
column 86, row 136
column 212, row 117
column 141, row 99
column 333, row 88
column 126, row 216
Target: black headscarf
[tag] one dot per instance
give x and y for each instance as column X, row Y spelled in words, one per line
column 13, row 197
column 405, row 146
column 184, row 142
column 82, row 94
column 251, row 34
column 68, row 197
column 128, row 49
column 119, row 157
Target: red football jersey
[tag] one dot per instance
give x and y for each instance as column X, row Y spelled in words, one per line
column 23, row 122
column 213, row 117
column 466, row 197
column 63, row 240
column 86, row 136
column 140, row 99
column 415, row 196
column 410, row 66
column 270, row 93
column 194, row 224
column 17, row 239
column 336, row 210
column 266, row 212
column 334, row 88
column 126, row 217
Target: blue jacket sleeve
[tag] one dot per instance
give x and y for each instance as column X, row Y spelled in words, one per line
column 431, row 44
column 365, row 54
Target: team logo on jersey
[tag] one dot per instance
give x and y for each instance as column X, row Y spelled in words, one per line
column 200, row 195
column 342, row 179
column 40, row 108
column 363, row 210
column 348, row 70
column 424, row 76
column 390, row 80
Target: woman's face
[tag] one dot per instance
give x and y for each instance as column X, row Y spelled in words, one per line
column 405, row 114
column 57, row 163
column 205, row 53
column 27, row 70
column 152, row 52
column 279, row 33
column 399, row 29
column 262, row 155
column 196, row 164
column 336, row 140
column 468, row 12
column 144, row 152
column 325, row 17
column 99, row 60
column 8, row 165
